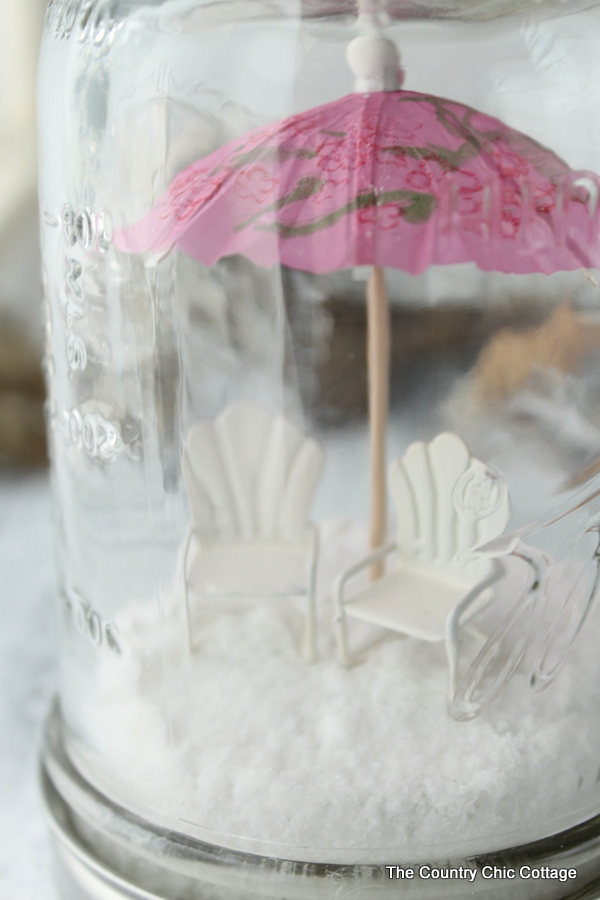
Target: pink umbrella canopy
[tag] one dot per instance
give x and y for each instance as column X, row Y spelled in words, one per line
column 390, row 179
column 382, row 178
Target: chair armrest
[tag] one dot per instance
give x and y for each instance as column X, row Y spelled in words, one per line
column 342, row 579
column 481, row 673
column 537, row 559
column 460, row 612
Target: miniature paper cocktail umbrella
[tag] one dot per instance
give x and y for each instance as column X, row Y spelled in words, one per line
column 382, row 178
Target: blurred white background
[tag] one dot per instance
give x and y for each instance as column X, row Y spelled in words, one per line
column 27, row 647
column 21, row 24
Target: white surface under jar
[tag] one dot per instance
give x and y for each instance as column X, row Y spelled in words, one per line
column 242, row 713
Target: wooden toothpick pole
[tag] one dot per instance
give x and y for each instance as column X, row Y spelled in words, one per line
column 375, row 62
column 378, row 361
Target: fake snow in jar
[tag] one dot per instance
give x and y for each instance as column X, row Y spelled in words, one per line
column 324, row 364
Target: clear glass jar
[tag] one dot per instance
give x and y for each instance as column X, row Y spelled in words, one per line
column 238, row 350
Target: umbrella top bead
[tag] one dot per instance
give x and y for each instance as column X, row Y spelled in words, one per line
column 375, row 62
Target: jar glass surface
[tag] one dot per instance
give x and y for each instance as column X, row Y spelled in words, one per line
column 213, row 440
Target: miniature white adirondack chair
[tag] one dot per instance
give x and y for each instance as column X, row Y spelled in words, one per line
column 251, row 477
column 447, row 502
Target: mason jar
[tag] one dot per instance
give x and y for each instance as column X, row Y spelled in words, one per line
column 323, row 359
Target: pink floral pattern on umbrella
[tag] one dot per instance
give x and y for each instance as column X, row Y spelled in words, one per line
column 391, row 179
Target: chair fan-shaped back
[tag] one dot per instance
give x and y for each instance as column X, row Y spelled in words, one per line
column 250, row 475
column 447, row 502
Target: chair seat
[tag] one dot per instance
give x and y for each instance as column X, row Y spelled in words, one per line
column 249, row 569
column 412, row 600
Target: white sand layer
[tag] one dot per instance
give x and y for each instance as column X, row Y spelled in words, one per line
column 245, row 744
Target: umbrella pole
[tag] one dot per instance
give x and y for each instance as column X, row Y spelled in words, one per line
column 378, row 362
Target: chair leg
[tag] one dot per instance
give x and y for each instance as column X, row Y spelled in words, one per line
column 340, row 625
column 452, row 657
column 309, row 648
column 187, row 615
column 186, row 596
column 341, row 632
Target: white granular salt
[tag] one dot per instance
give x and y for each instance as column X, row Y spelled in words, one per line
column 243, row 743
